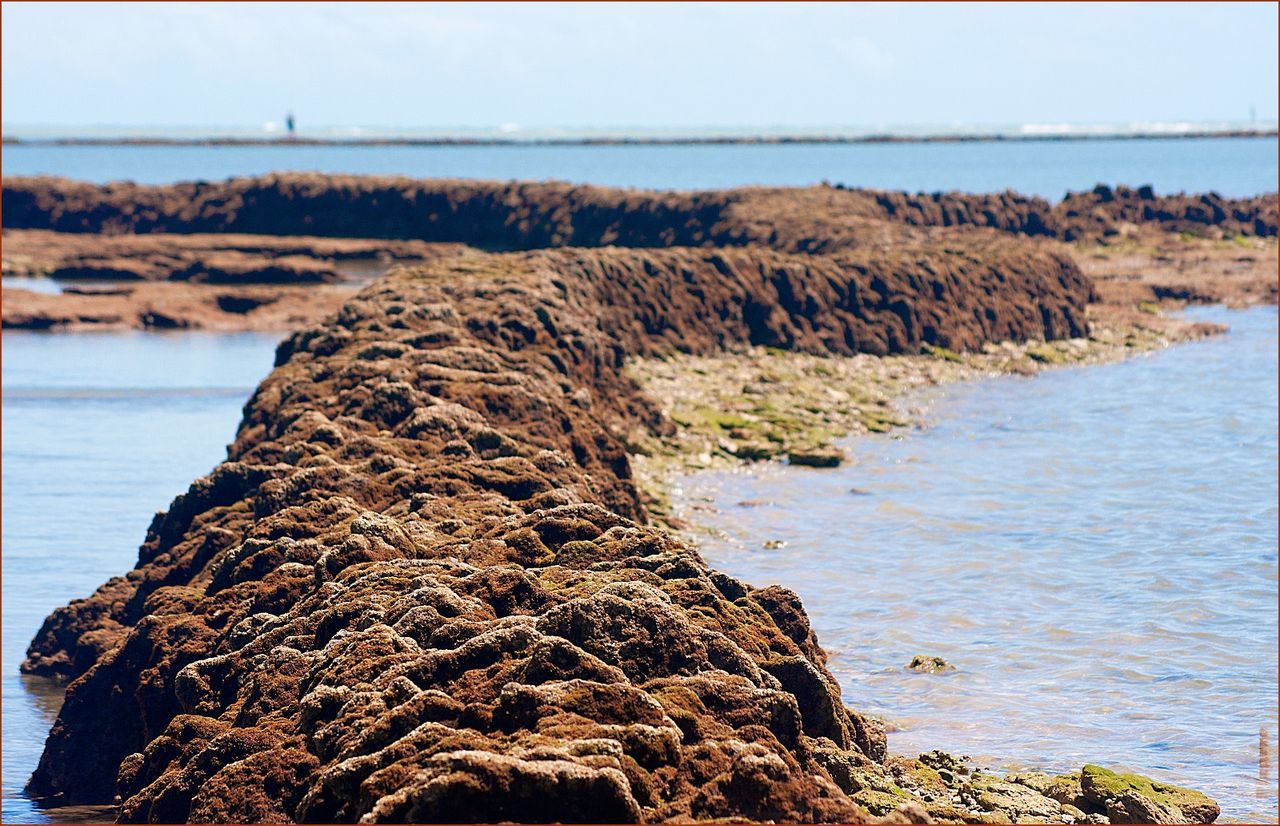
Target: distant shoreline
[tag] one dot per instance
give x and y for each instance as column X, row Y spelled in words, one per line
column 688, row 140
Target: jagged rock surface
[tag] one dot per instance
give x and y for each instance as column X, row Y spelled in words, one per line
column 168, row 306
column 517, row 215
column 422, row 587
column 217, row 258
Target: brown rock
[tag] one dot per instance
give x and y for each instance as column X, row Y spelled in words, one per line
column 422, row 585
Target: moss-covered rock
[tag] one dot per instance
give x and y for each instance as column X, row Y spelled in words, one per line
column 921, row 780
column 1064, row 788
column 878, row 802
column 816, row 457
column 1020, row 803
column 1118, row 795
column 1046, row 354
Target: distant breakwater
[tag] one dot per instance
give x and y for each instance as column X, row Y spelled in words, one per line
column 525, row 215
column 624, row 140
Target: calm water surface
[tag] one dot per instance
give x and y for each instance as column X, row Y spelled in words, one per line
column 1233, row 167
column 100, row 431
column 1094, row 549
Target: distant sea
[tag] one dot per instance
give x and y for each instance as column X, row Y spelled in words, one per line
column 1230, row 166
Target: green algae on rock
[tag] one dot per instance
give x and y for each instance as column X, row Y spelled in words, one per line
column 1128, row 798
column 816, row 456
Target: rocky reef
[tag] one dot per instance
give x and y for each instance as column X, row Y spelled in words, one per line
column 315, row 230
column 149, row 306
column 222, row 258
column 424, row 586
column 158, row 281
column 521, row 215
column 421, row 587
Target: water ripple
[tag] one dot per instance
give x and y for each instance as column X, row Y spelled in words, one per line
column 1094, row 549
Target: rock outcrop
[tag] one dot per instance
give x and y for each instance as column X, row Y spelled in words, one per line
column 422, row 586
column 220, row 258
column 311, row 229
column 1099, row 212
column 150, row 306
column 518, row 216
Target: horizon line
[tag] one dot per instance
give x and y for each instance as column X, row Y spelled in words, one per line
column 675, row 140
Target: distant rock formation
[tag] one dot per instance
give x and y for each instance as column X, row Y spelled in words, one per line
column 515, row 216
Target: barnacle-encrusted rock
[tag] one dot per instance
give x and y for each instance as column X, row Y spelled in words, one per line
column 527, row 215
column 422, row 586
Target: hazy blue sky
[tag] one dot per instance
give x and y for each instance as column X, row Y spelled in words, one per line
column 635, row 65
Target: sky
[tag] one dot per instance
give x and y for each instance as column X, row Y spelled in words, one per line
column 634, row 65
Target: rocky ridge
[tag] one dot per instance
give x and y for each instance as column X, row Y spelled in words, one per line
column 522, row 215
column 424, row 586
column 313, row 230
column 217, row 258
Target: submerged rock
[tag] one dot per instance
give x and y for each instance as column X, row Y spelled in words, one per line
column 817, row 457
column 929, row 665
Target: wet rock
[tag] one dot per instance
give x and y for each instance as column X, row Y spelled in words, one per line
column 929, row 665
column 1019, row 803
column 521, row 215
column 817, row 457
column 1130, row 807
column 950, row 769
column 423, row 586
column 1131, row 798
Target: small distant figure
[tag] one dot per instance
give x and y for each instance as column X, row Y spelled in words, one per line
column 288, row 123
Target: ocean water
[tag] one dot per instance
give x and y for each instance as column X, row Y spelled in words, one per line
column 100, row 431
column 1094, row 549
column 1232, row 167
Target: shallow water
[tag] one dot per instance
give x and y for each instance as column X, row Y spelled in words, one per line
column 1094, row 549
column 100, row 431
column 1232, row 167
column 1113, row 601
column 46, row 286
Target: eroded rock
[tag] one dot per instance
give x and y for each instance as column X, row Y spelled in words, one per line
column 423, row 586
